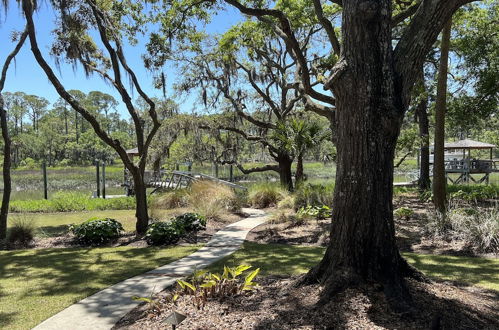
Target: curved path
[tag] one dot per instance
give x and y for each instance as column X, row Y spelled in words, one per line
column 103, row 309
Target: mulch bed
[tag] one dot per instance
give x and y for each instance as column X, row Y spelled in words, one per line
column 129, row 239
column 409, row 233
column 278, row 304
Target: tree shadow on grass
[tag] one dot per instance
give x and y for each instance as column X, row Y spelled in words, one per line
column 6, row 319
column 460, row 270
column 77, row 270
column 273, row 258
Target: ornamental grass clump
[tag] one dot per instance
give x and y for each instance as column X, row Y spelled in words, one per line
column 479, row 228
column 266, row 195
column 213, row 199
column 97, row 230
column 22, row 231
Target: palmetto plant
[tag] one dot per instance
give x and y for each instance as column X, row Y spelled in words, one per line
column 298, row 136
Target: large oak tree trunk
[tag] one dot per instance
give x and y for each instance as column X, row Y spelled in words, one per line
column 369, row 115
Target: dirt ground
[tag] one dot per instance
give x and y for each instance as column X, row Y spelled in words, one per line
column 279, row 304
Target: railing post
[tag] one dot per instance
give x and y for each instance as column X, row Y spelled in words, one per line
column 45, row 181
column 104, row 180
column 97, row 167
column 231, row 173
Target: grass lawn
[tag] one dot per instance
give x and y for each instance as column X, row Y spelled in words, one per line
column 287, row 259
column 56, row 224
column 36, row 284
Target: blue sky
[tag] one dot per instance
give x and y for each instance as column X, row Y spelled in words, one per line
column 25, row 75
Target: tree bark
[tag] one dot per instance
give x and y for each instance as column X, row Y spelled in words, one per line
column 362, row 246
column 141, row 211
column 424, row 134
column 285, row 174
column 7, row 161
column 439, row 179
column 299, row 175
column 7, row 185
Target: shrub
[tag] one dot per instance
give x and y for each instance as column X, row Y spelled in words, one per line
column 22, row 231
column 191, row 221
column 315, row 211
column 163, row 232
column 314, row 195
column 403, row 212
column 97, row 230
column 169, row 232
column 204, row 285
column 266, row 195
column 473, row 192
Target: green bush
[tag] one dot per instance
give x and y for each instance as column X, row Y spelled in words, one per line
column 266, row 194
column 22, row 231
column 314, row 195
column 473, row 192
column 97, row 231
column 163, row 232
column 191, row 221
column 403, row 212
column 317, row 212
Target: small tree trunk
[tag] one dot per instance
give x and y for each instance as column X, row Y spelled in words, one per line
column 439, row 179
column 424, row 134
column 299, row 176
column 141, row 212
column 285, row 174
column 7, row 186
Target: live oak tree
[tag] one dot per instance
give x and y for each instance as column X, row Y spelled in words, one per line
column 75, row 44
column 7, row 182
column 252, row 70
column 371, row 84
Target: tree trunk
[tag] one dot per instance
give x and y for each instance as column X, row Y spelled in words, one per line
column 299, row 176
column 439, row 179
column 7, row 186
column 141, row 212
column 369, row 113
column 285, row 174
column 424, row 135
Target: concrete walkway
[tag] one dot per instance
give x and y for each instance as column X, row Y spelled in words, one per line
column 103, row 309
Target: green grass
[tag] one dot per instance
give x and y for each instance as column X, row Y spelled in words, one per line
column 286, row 259
column 35, row 284
column 56, row 224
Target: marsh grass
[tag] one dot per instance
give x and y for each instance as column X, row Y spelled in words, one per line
column 71, row 202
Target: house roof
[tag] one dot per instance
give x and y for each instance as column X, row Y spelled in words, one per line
column 468, row 144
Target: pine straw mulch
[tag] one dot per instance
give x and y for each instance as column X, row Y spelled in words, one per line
column 68, row 240
column 278, row 304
